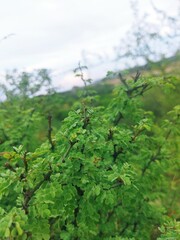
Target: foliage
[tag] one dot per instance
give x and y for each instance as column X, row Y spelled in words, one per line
column 24, row 84
column 108, row 172
column 170, row 230
column 24, row 118
column 20, row 119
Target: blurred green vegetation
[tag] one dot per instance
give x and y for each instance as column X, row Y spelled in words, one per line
column 28, row 115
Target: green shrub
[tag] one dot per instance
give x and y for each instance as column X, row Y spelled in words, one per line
column 107, row 173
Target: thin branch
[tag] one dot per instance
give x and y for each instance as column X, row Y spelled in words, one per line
column 116, row 152
column 50, row 129
column 10, row 167
column 118, row 118
column 28, row 194
column 154, row 157
column 130, row 91
column 86, row 119
column 25, row 162
column 110, row 214
column 71, row 144
column 123, row 80
column 137, row 76
column 124, row 229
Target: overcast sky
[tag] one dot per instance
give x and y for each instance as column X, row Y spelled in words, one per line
column 55, row 33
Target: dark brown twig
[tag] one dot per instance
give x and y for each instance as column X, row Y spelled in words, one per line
column 28, row 194
column 50, row 132
column 71, row 144
column 25, row 162
column 155, row 156
column 10, row 167
column 123, row 80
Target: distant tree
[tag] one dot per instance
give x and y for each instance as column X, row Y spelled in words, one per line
column 20, row 117
column 26, row 84
column 147, row 42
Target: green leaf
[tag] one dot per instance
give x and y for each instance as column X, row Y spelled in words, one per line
column 19, row 229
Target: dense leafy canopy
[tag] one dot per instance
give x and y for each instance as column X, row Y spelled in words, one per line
column 108, row 172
